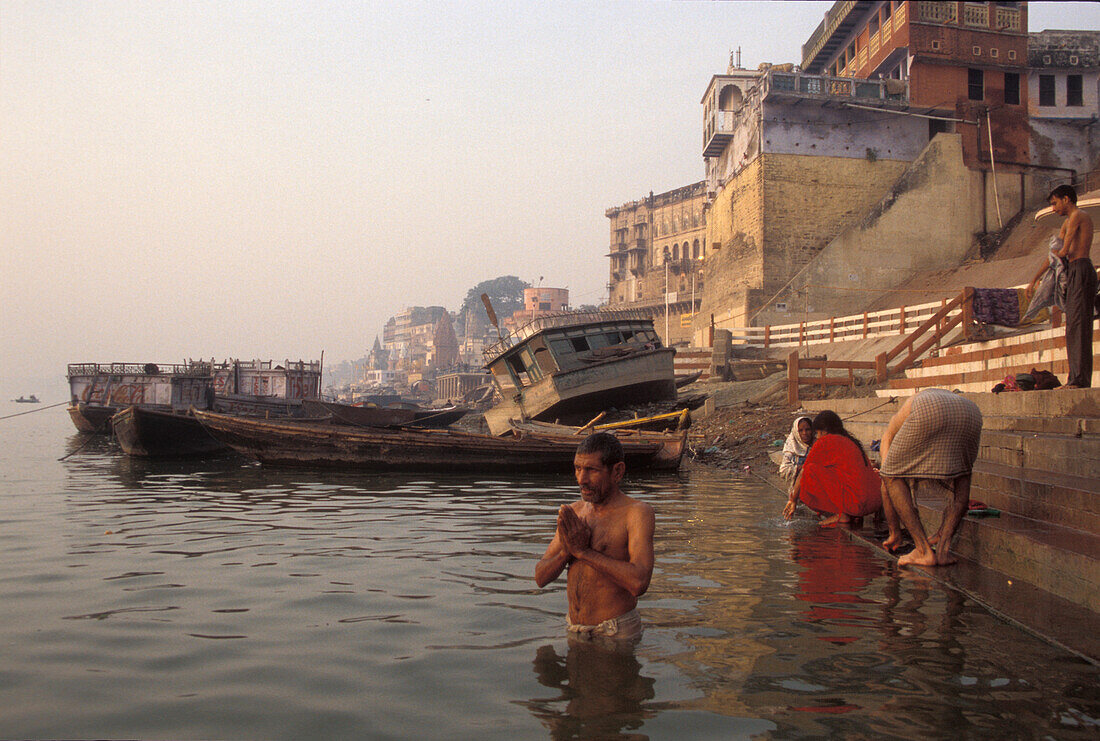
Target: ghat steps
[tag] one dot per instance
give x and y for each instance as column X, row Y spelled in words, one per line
column 1039, row 463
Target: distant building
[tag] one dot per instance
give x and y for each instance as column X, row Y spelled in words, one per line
column 657, row 247
column 409, row 342
column 536, row 302
column 541, row 300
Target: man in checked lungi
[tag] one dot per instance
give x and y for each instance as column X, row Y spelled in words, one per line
column 934, row 436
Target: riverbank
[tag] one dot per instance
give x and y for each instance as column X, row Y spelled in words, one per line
column 745, row 423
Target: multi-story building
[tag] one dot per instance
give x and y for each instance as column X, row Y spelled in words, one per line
column 658, row 245
column 539, row 300
column 818, row 174
column 1063, row 84
column 410, row 328
column 965, row 63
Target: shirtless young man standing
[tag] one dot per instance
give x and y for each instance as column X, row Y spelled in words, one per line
column 606, row 540
column 1076, row 239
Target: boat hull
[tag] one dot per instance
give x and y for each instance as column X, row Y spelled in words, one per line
column 151, row 433
column 93, row 419
column 300, row 443
column 347, row 414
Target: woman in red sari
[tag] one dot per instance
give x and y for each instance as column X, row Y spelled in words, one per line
column 836, row 479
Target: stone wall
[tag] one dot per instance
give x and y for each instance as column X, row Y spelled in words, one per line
column 810, row 200
column 773, row 217
column 927, row 221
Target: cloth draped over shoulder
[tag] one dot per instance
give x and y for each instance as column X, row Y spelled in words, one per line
column 938, row 440
column 837, row 479
column 794, row 451
column 1051, row 288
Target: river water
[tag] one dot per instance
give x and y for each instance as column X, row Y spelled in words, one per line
column 220, row 599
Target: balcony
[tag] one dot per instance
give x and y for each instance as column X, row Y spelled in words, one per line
column 790, row 85
column 938, row 12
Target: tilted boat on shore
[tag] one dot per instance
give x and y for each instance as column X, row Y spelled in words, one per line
column 375, row 416
column 319, row 444
column 563, row 365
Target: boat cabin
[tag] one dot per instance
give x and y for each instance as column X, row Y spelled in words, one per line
column 544, row 350
column 168, row 386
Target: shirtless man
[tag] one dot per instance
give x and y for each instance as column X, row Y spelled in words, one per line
column 606, row 540
column 934, row 435
column 1076, row 239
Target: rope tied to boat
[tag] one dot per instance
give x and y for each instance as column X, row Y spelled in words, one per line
column 39, row 409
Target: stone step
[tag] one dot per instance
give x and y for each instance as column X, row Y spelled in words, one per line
column 1058, row 559
column 1064, row 623
column 1055, row 498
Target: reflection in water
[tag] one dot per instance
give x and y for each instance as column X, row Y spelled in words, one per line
column 222, row 599
column 602, row 691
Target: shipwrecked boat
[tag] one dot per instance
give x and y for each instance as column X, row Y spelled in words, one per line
column 566, row 366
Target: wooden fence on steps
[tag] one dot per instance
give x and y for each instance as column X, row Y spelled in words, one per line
column 958, row 312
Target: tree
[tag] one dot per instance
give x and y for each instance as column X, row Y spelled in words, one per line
column 505, row 292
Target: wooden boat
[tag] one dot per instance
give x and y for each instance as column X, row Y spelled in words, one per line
column 678, row 420
column 263, row 388
column 314, row 444
column 570, row 365
column 100, row 391
column 370, row 416
column 32, row 399
column 672, row 444
column 150, row 433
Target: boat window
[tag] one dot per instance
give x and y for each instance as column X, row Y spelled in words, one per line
column 629, row 335
column 561, row 348
column 544, row 360
column 580, row 344
column 597, row 341
column 532, row 367
column 519, row 373
column 614, row 338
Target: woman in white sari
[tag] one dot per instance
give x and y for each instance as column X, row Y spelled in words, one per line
column 796, row 447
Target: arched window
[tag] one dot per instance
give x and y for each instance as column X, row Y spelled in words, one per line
column 675, row 252
column 695, row 249
column 730, row 98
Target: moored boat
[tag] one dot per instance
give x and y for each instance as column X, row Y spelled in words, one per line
column 374, row 416
column 32, row 399
column 99, row 391
column 671, row 445
column 563, row 365
column 155, row 433
column 316, row 444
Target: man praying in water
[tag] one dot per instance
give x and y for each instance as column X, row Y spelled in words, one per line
column 606, row 540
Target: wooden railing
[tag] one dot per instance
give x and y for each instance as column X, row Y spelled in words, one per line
column 865, row 326
column 954, row 313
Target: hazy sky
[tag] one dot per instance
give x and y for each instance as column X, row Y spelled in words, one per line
column 193, row 179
